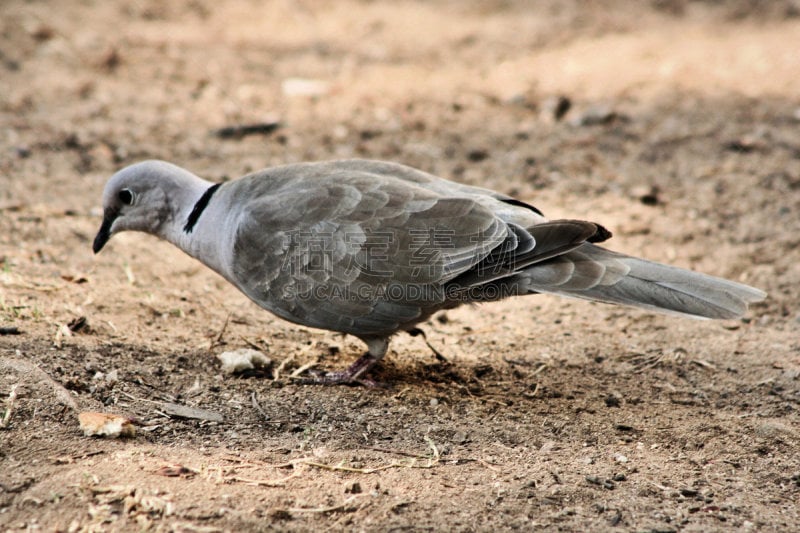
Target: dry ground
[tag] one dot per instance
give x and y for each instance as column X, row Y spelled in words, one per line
column 683, row 137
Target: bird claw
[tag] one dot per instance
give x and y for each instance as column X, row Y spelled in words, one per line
column 352, row 376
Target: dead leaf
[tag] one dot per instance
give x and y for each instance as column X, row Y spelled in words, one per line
column 75, row 279
column 106, row 425
column 184, row 411
column 175, row 471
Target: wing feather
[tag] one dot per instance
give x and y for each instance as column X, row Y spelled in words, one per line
column 327, row 251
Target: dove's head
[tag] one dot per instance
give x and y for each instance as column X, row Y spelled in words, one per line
column 146, row 197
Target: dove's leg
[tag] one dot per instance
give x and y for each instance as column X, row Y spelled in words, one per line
column 376, row 349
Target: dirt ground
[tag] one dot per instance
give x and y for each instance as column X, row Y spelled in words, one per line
column 676, row 124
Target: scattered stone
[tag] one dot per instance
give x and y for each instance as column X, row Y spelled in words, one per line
column 62, row 332
column 518, row 99
column 556, row 107
column 774, row 429
column 175, row 470
column 280, row 514
column 745, row 145
column 647, row 194
column 353, row 488
column 596, row 115
column 548, row 446
column 79, row 325
column 612, row 401
column 112, row 377
column 43, row 32
column 477, row 155
column 482, row 370
column 305, row 87
column 68, row 277
column 110, row 59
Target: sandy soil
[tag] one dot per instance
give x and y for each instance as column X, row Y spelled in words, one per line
column 682, row 137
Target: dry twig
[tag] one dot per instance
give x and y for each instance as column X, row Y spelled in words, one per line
column 705, row 364
column 303, row 368
column 277, row 374
column 454, row 460
column 540, row 369
column 262, row 482
column 433, row 460
column 9, row 406
column 341, row 507
column 251, row 343
column 257, row 406
column 218, row 340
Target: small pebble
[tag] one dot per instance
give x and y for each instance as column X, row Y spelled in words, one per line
column 353, row 488
column 612, row 401
column 595, row 115
column 477, row 155
column 304, row 87
column 548, row 446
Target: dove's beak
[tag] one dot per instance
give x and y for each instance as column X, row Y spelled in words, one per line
column 105, row 231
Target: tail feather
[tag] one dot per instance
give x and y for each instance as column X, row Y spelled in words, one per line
column 524, row 247
column 593, row 273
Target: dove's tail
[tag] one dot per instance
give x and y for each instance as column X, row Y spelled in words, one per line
column 593, row 273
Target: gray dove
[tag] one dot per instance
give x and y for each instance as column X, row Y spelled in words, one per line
column 371, row 248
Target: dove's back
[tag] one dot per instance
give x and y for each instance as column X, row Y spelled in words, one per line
column 370, row 248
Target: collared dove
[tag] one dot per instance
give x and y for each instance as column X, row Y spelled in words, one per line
column 371, row 248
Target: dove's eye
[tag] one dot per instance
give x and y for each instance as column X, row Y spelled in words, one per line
column 126, row 196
